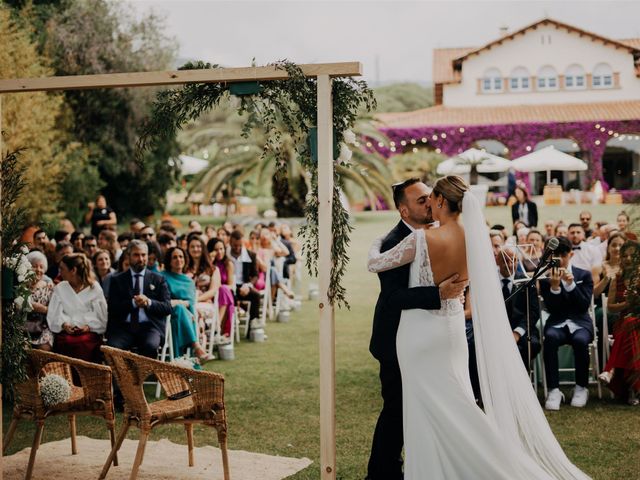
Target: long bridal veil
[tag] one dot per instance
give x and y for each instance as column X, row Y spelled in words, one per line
column 509, row 400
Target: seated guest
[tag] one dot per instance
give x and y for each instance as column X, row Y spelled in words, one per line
column 622, row 371
column 124, row 239
column 139, row 302
column 585, row 221
column 497, row 240
column 62, row 248
column 269, row 250
column 245, row 267
column 155, row 258
column 549, row 229
column 166, row 240
column 40, row 335
column 41, row 242
column 61, row 236
column 287, row 239
column 532, row 259
column 584, row 255
column 77, row 313
column 567, row 296
column 210, row 232
column 103, row 270
column 226, row 300
column 135, row 225
column 76, row 240
column 205, row 277
column 90, row 245
column 623, row 225
column 507, row 262
column 184, row 325
column 108, row 240
column 609, row 272
column 223, row 235
column 562, row 231
column 524, row 209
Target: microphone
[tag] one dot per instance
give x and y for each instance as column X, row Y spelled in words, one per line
column 551, row 247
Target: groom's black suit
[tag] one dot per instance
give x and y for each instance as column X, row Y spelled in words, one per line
column 385, row 462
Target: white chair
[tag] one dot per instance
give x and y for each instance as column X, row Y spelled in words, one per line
column 594, row 367
column 267, row 305
column 165, row 353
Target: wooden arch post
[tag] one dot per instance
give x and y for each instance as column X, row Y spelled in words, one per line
column 324, row 73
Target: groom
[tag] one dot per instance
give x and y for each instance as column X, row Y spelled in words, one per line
column 411, row 200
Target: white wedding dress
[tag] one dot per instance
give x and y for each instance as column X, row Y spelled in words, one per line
column 446, row 435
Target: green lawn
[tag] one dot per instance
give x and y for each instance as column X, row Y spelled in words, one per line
column 272, row 388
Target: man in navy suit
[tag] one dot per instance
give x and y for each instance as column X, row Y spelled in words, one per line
column 410, row 197
column 139, row 303
column 567, row 295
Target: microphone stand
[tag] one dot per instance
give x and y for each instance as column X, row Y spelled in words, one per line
column 539, row 271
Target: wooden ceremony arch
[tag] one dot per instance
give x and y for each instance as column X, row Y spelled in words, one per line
column 324, row 73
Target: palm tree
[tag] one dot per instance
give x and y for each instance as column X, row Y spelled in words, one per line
column 235, row 160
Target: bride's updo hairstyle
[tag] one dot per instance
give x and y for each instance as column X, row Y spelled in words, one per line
column 452, row 188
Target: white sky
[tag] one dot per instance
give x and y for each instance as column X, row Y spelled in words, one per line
column 393, row 39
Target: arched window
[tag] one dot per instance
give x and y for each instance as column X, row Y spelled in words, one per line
column 547, row 78
column 492, row 81
column 574, row 78
column 602, row 76
column 519, row 80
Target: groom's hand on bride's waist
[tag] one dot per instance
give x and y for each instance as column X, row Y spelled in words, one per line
column 452, row 287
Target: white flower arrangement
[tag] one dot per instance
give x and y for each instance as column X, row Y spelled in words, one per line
column 25, row 275
column 185, row 362
column 349, row 137
column 54, row 389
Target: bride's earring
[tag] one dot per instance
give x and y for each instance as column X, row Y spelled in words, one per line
column 440, row 205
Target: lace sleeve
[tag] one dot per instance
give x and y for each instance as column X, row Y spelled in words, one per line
column 403, row 253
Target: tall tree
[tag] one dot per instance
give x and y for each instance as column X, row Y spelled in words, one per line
column 107, row 121
column 31, row 121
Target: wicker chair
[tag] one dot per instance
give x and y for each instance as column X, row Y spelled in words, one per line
column 192, row 397
column 93, row 397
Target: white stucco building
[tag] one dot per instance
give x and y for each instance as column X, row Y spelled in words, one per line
column 546, row 82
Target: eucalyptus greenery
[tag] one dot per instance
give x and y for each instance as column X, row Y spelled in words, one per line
column 14, row 339
column 284, row 109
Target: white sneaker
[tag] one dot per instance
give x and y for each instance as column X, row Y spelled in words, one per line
column 554, row 399
column 580, row 397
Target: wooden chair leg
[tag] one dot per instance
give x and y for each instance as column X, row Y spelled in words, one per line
column 189, row 428
column 34, row 448
column 222, row 440
column 72, row 428
column 139, row 454
column 114, row 450
column 9, row 435
column 112, row 436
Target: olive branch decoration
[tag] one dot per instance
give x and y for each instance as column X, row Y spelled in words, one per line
column 281, row 108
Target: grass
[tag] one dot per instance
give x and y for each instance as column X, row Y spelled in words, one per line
column 272, row 388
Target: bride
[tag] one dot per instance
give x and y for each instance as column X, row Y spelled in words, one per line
column 446, row 435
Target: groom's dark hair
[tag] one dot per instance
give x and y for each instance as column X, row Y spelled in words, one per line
column 399, row 188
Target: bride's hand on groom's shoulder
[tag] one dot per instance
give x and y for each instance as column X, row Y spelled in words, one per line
column 452, row 287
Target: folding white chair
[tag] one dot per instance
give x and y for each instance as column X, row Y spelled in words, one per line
column 594, row 367
column 165, row 353
column 267, row 305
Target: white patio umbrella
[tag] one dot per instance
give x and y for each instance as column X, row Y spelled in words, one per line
column 547, row 159
column 191, row 165
column 485, row 163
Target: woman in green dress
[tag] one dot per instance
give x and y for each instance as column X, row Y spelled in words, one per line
column 183, row 300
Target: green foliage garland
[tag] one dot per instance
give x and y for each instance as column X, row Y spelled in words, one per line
column 281, row 108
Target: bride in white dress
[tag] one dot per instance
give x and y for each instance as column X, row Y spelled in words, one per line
column 446, row 435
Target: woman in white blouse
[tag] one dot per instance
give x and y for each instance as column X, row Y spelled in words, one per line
column 77, row 311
